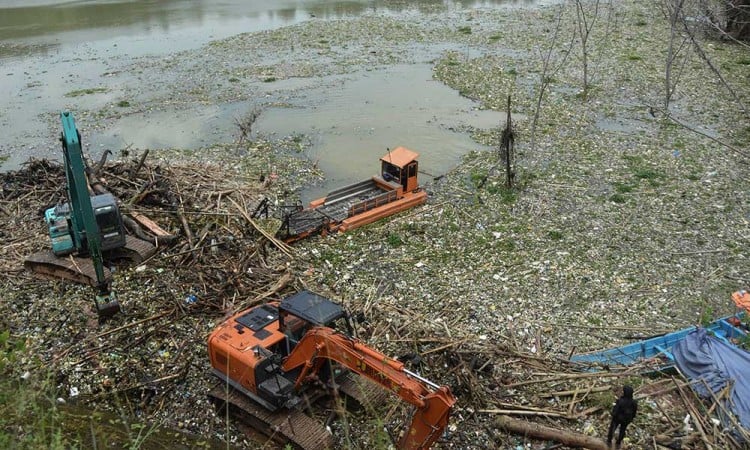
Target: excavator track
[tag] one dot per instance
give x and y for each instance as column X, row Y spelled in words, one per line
column 286, row 426
column 134, row 252
column 47, row 265
column 366, row 394
column 294, row 426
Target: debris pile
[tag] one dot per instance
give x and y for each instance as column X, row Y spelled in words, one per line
column 150, row 362
column 218, row 263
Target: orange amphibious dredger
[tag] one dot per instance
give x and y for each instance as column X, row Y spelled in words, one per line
column 394, row 190
column 280, row 359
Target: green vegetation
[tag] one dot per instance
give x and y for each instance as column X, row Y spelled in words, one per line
column 506, row 246
column 618, row 198
column 269, row 79
column 464, row 29
column 234, row 80
column 646, row 173
column 555, row 235
column 123, row 103
column 707, row 316
column 394, row 240
column 29, row 417
column 477, row 178
column 643, row 170
column 623, row 188
column 508, row 196
column 80, row 92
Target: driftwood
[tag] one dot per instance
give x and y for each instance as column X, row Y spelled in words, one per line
column 286, row 249
column 162, row 235
column 569, row 438
column 666, row 440
column 137, row 168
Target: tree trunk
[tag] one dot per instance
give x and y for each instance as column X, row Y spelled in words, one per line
column 541, row 432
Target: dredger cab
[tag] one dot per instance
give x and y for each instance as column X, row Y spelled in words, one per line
column 400, row 165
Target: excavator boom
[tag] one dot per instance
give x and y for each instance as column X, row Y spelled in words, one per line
column 433, row 407
column 85, row 229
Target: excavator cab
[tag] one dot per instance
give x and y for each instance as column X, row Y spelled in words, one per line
column 60, row 224
column 247, row 350
column 400, row 166
column 305, row 310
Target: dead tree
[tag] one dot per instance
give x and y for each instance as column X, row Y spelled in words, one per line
column 549, row 68
column 507, row 150
column 246, row 125
column 674, row 11
column 585, row 23
column 692, row 36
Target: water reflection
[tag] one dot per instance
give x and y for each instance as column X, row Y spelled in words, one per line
column 44, row 19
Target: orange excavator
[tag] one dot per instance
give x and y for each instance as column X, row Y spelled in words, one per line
column 276, row 359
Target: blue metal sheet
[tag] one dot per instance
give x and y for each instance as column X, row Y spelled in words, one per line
column 660, row 346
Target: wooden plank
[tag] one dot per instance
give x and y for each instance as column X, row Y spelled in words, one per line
column 152, row 226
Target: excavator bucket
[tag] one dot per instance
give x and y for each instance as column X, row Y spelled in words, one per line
column 107, row 306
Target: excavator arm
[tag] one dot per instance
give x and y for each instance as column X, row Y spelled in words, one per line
column 433, row 403
column 85, row 229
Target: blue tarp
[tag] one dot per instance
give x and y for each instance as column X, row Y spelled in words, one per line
column 701, row 356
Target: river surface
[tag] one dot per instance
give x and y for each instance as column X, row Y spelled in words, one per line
column 51, row 49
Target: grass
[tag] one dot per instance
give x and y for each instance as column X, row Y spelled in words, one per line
column 123, row 104
column 29, row 417
column 394, row 240
column 623, row 188
column 707, row 316
column 618, row 198
column 80, row 92
column 555, row 235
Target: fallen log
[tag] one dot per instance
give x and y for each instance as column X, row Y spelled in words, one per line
column 536, row 431
column 162, row 236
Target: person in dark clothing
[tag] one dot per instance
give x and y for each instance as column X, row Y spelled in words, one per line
column 622, row 414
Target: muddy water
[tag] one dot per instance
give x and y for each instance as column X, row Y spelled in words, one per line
column 354, row 121
column 49, row 50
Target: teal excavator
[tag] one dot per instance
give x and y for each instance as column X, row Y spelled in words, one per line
column 87, row 224
column 84, row 227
